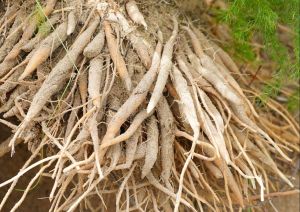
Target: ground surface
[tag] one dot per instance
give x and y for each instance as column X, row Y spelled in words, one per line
column 35, row 201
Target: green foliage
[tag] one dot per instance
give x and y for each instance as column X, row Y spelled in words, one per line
column 294, row 101
column 249, row 18
column 39, row 17
column 44, row 28
column 38, row 14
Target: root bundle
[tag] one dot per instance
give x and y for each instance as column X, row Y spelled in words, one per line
column 131, row 111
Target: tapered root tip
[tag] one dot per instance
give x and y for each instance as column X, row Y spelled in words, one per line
column 150, row 107
column 128, row 83
column 145, row 25
column 22, row 77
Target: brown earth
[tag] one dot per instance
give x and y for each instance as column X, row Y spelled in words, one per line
column 9, row 166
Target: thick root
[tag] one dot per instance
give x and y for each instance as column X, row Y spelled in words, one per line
column 117, row 109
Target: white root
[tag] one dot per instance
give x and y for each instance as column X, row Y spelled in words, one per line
column 215, row 137
column 114, row 151
column 139, row 44
column 211, row 110
column 118, row 197
column 140, row 151
column 72, row 21
column 116, row 56
column 156, row 184
column 134, row 13
column 190, row 112
column 186, row 99
column 136, row 98
column 181, row 120
column 213, row 78
column 9, row 42
column 137, row 121
column 241, row 114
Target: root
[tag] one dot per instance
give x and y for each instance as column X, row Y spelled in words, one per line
column 165, row 67
column 117, row 110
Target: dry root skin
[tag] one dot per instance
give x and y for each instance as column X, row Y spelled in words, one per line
column 116, row 56
column 72, row 21
column 134, row 13
column 56, row 79
column 117, row 110
column 152, row 146
column 95, row 46
column 167, row 127
column 48, row 45
column 95, row 74
column 30, row 29
column 165, row 67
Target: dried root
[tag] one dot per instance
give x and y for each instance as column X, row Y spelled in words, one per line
column 115, row 120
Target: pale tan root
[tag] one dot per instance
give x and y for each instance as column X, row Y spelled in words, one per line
column 73, row 115
column 156, row 184
column 30, row 184
column 201, row 135
column 72, row 21
column 29, row 30
column 134, row 13
column 190, row 112
column 152, row 145
column 138, row 43
column 165, row 68
column 114, row 152
column 43, row 32
column 116, row 55
column 123, row 185
column 56, row 78
column 9, row 84
column 48, row 45
column 94, row 78
column 136, row 98
column 208, row 63
column 131, row 148
column 138, row 119
column 95, row 46
column 95, row 138
column 167, row 131
column 186, row 100
column 15, row 32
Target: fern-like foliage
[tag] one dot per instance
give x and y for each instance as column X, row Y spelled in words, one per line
column 249, row 18
column 38, row 16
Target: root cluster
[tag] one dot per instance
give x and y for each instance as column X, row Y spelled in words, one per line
column 132, row 113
